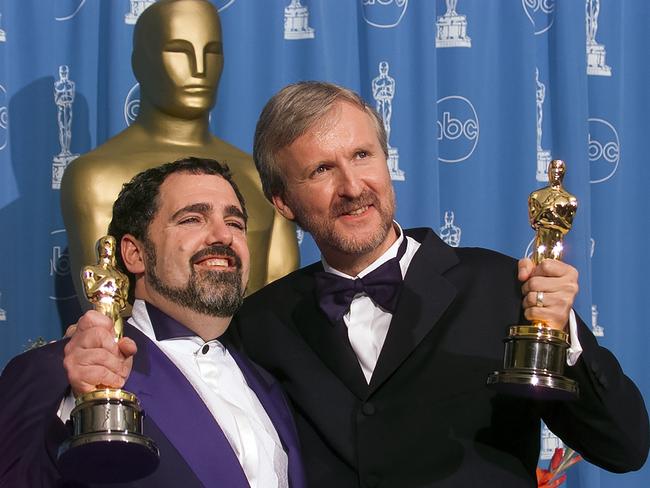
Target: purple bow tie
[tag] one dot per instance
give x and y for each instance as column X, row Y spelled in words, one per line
column 335, row 293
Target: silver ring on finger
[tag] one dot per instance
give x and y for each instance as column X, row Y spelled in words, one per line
column 539, row 299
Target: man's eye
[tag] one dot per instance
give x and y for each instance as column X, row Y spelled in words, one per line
column 320, row 169
column 189, row 220
column 362, row 154
column 236, row 225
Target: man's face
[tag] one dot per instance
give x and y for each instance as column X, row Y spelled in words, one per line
column 184, row 60
column 196, row 254
column 337, row 185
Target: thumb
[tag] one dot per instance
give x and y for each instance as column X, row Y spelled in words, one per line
column 525, row 268
column 127, row 347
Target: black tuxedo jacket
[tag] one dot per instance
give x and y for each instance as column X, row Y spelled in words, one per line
column 427, row 417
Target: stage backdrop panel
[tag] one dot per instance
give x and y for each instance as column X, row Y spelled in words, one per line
column 477, row 97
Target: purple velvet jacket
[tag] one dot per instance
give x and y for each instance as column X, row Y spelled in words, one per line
column 194, row 451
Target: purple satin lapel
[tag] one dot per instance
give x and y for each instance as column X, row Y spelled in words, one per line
column 278, row 411
column 171, row 402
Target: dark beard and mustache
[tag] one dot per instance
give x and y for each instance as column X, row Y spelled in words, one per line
column 324, row 232
column 209, row 292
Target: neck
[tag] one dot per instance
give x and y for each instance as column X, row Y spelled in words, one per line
column 353, row 264
column 207, row 327
column 169, row 129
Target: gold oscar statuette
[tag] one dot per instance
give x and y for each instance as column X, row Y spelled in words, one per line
column 535, row 354
column 107, row 445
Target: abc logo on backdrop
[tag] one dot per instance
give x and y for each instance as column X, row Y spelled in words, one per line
column 541, row 13
column 457, row 129
column 4, row 118
column 62, row 287
column 604, row 150
column 384, row 14
column 132, row 104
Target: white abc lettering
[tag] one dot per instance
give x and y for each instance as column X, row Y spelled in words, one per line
column 604, row 150
column 457, row 129
column 4, row 118
column 541, row 14
column 399, row 3
column 59, row 262
column 132, row 104
column 452, row 128
column 383, row 14
column 609, row 152
column 545, row 6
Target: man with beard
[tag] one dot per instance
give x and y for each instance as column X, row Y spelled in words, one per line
column 217, row 418
column 385, row 345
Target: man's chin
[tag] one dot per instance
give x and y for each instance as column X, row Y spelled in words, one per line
column 355, row 245
column 359, row 240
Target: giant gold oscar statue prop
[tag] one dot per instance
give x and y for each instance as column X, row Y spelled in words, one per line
column 108, row 444
column 535, row 354
column 177, row 59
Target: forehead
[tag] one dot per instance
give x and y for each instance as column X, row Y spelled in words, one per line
column 343, row 128
column 344, row 123
column 182, row 189
column 190, row 20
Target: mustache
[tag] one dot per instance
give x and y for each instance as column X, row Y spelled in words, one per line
column 217, row 250
column 347, row 205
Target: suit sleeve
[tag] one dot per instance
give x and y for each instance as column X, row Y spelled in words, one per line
column 31, row 387
column 608, row 424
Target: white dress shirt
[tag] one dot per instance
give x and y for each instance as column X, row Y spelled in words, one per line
column 368, row 323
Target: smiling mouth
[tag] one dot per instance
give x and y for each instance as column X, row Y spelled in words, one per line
column 216, row 257
column 355, row 207
column 216, row 262
column 358, row 211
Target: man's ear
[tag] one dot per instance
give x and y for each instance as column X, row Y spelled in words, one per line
column 132, row 251
column 283, row 207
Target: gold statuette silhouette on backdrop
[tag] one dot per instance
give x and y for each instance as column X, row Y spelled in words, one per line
column 535, row 354
column 177, row 59
column 108, row 444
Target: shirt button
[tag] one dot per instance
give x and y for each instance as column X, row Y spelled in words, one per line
column 205, row 349
column 368, row 409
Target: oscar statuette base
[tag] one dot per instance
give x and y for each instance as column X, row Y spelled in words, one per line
column 107, row 445
column 533, row 365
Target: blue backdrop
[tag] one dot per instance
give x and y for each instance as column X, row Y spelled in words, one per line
column 478, row 96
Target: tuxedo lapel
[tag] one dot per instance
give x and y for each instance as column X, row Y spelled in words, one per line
column 171, row 402
column 269, row 394
column 330, row 342
column 423, row 300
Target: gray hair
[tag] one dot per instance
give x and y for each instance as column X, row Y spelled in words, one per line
column 289, row 114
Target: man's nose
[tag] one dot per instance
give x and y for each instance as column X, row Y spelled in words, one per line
column 350, row 183
column 219, row 233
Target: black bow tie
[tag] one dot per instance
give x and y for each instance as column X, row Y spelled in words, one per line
column 335, row 293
